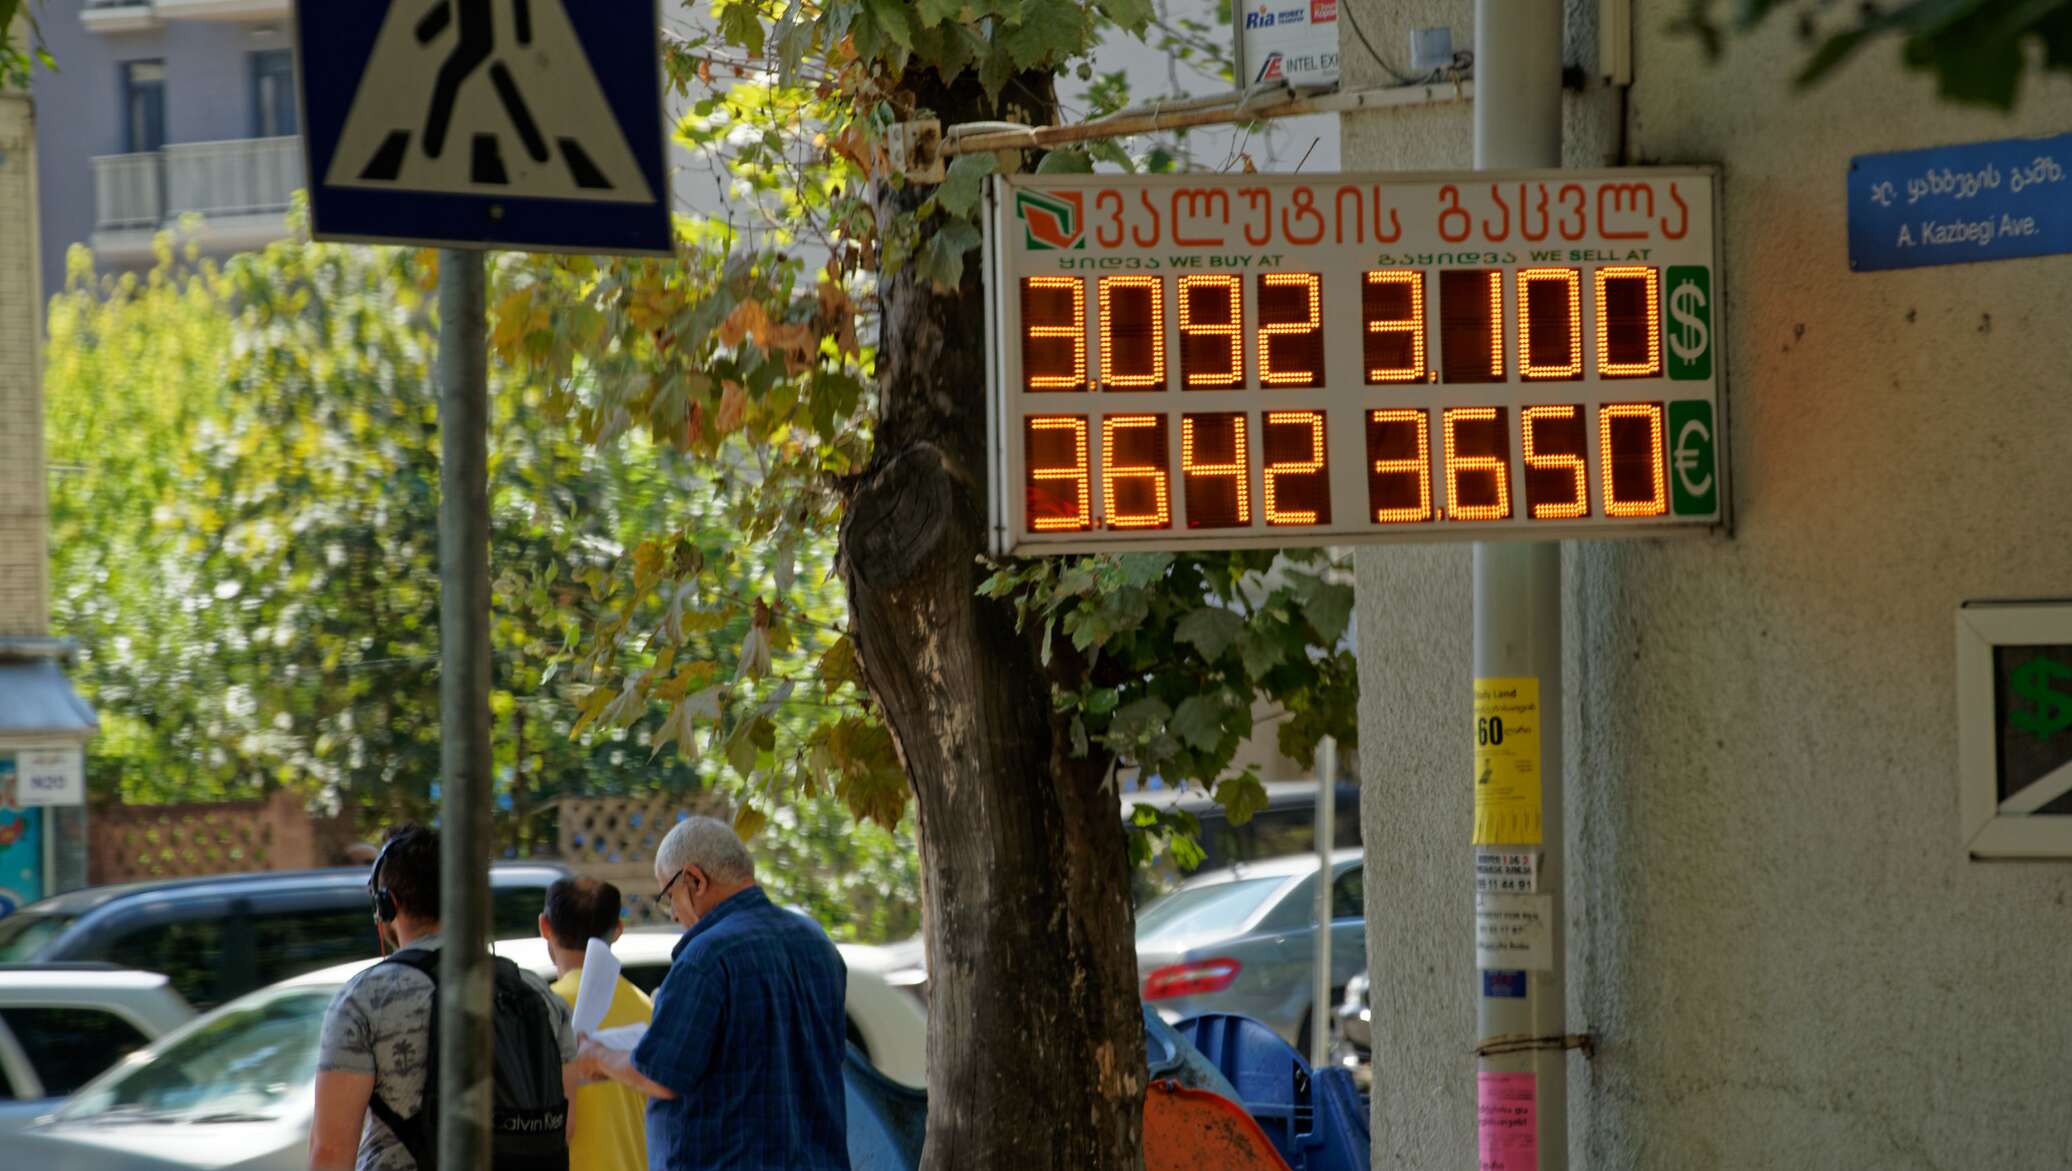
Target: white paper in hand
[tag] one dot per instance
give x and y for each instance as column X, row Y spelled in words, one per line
column 600, row 980
column 626, row 1037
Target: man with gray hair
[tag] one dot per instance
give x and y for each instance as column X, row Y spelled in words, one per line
column 743, row 1063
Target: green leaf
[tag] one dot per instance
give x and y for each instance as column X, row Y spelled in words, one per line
column 891, row 18
column 748, row 822
column 1260, row 651
column 1241, row 796
column 1065, row 161
column 1141, row 718
column 1198, row 723
column 838, row 665
column 941, row 258
column 965, row 182
column 1210, row 630
column 1329, row 608
column 934, row 12
column 742, row 24
column 1141, row 569
column 1133, row 15
column 1048, row 34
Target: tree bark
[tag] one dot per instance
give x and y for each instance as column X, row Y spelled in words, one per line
column 1035, row 1042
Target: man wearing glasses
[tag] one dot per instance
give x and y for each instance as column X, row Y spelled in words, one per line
column 743, row 1062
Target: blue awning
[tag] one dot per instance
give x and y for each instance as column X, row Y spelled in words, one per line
column 37, row 700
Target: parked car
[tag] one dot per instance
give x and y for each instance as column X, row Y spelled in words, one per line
column 233, row 1091
column 61, row 1025
column 1240, row 940
column 1287, row 826
column 219, row 938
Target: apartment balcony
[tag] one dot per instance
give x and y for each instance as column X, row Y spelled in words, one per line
column 240, row 188
column 124, row 16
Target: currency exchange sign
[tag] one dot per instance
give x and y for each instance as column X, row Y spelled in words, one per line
column 1216, row 361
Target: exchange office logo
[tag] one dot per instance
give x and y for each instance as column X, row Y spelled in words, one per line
column 1052, row 221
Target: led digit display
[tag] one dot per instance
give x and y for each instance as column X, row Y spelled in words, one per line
column 1060, row 494
column 1216, row 470
column 1298, row 487
column 1054, row 333
column 1629, row 322
column 1511, row 356
column 1550, row 325
column 1471, row 324
column 1291, row 333
column 1478, row 464
column 1392, row 306
column 1212, row 331
column 1132, row 330
column 1399, row 473
column 1634, row 462
column 1557, row 486
column 1134, row 494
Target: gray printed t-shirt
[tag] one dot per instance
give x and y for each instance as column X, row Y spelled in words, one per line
column 380, row 1023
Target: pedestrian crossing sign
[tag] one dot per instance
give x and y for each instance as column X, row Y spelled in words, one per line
column 524, row 124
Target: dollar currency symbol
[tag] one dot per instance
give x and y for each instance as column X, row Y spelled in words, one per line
column 1689, row 337
column 2050, row 710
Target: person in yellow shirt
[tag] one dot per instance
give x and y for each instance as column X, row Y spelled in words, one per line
column 607, row 1121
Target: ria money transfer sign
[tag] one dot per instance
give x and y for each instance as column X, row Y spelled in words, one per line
column 1211, row 361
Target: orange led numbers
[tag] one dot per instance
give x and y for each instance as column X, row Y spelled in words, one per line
column 1212, row 331
column 1132, row 331
column 1054, row 333
column 1291, row 330
column 1557, row 487
column 1471, row 324
column 1629, row 322
column 1215, row 470
column 1633, row 460
column 1399, row 475
column 1134, row 492
column 1550, row 326
column 1298, row 486
column 1060, row 493
column 1392, row 306
column 1478, row 464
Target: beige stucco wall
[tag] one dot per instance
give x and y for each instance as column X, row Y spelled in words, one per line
column 24, row 511
column 1774, row 929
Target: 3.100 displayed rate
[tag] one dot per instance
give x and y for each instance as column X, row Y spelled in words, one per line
column 1423, row 465
column 1539, row 309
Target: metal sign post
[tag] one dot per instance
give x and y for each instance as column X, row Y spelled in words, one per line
column 1521, row 1097
column 1321, row 1001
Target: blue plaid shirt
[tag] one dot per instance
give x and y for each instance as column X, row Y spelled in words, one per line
column 749, row 1031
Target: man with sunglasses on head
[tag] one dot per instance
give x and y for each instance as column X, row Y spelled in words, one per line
column 743, row 1062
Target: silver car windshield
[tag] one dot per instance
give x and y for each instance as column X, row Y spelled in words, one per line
column 1203, row 910
column 240, row 1064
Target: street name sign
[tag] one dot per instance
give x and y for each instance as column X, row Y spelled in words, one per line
column 526, row 124
column 1220, row 361
column 1959, row 204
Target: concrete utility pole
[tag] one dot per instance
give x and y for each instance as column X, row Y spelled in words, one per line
column 464, row 749
column 1321, row 1001
column 1518, row 636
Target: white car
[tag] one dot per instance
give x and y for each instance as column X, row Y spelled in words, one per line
column 234, row 1090
column 61, row 1025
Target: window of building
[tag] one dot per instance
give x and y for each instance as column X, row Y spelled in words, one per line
column 69, row 1047
column 2014, row 728
column 273, row 94
column 143, row 106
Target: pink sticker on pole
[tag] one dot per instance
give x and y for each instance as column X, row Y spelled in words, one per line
column 1507, row 1119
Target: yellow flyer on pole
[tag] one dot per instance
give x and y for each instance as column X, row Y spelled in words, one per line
column 1507, row 762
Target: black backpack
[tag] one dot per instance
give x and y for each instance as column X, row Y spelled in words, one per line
column 528, row 1129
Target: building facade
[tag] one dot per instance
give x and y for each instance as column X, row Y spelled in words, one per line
column 1776, row 934
column 159, row 111
column 43, row 723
